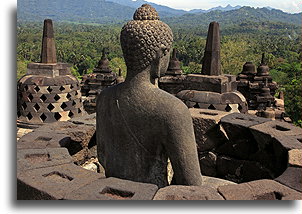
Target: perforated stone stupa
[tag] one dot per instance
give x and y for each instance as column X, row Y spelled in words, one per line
column 101, row 78
column 48, row 92
column 210, row 89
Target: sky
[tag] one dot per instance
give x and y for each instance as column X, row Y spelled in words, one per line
column 290, row 6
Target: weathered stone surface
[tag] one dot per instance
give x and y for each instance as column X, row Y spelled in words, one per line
column 43, row 140
column 114, row 189
column 241, row 170
column 243, row 120
column 176, row 192
column 218, row 84
column 137, row 117
column 78, row 132
column 48, row 52
column 52, row 183
column 89, row 120
column 211, row 64
column 242, row 142
column 207, row 132
column 207, row 163
column 215, row 182
column 290, row 142
column 264, row 132
column 40, row 158
column 295, row 157
column 292, row 178
column 259, row 190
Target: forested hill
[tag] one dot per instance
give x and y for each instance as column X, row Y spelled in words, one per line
column 107, row 12
column 85, row 11
column 235, row 17
column 79, row 11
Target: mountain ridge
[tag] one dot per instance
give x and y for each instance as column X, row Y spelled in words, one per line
column 109, row 12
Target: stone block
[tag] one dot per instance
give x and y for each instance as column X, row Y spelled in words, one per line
column 177, row 192
column 43, row 140
column 264, row 132
column 89, row 120
column 52, row 183
column 259, row 190
column 40, row 158
column 207, row 162
column 237, row 125
column 292, row 177
column 295, row 157
column 215, row 182
column 114, row 189
column 199, row 82
column 208, row 133
column 241, row 170
column 77, row 132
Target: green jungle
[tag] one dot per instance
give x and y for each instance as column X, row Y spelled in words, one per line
column 81, row 45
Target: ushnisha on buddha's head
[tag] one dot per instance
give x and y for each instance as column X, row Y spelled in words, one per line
column 146, row 43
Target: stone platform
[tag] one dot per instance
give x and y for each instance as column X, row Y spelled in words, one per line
column 47, row 156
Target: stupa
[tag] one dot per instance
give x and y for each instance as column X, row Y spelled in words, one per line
column 48, row 92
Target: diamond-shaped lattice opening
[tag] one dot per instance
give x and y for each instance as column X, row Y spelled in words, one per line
column 57, row 116
column 26, row 88
column 43, row 98
column 79, row 111
column 73, row 103
column 196, row 105
column 37, row 88
column 36, row 107
column 239, row 107
column 68, row 95
column 56, row 97
column 43, row 117
column 30, row 97
column 63, row 106
column 228, row 108
column 29, row 116
column 76, row 93
column 71, row 86
column 211, row 107
column 62, row 88
column 18, row 113
column 50, row 107
column 24, row 106
column 49, row 89
column 70, row 114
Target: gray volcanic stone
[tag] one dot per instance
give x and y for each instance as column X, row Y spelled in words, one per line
column 295, row 157
column 43, row 140
column 89, row 120
column 259, row 190
column 241, row 170
column 40, row 158
column 242, row 142
column 80, row 135
column 215, row 182
column 264, row 132
column 176, row 192
column 140, row 126
column 206, row 129
column 207, row 163
column 211, row 64
column 52, row 183
column 292, row 178
column 114, row 189
column 290, row 142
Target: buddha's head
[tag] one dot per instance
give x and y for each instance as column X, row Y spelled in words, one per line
column 146, row 42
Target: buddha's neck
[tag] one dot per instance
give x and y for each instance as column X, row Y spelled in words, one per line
column 140, row 78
